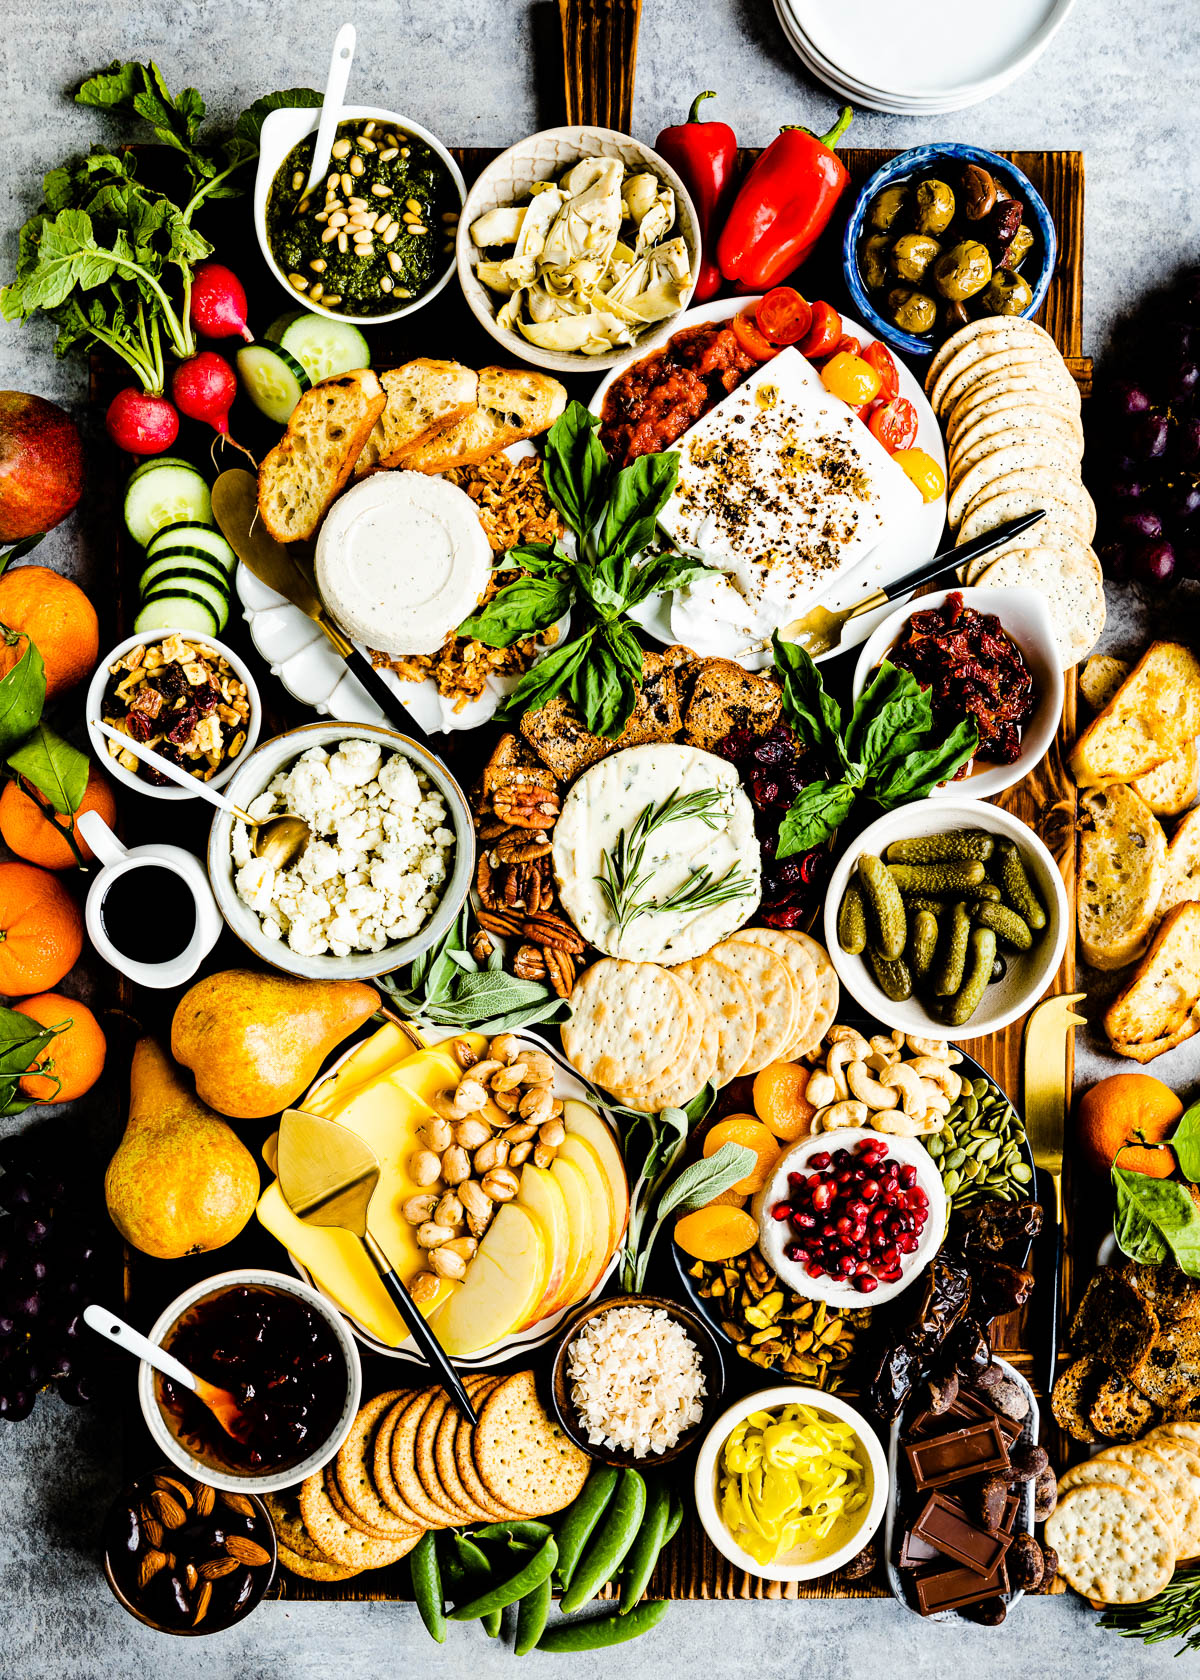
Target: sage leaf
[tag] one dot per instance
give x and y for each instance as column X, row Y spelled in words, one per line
column 56, row 769
column 704, row 1179
column 22, row 696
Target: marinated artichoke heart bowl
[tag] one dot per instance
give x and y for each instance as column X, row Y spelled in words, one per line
column 941, row 236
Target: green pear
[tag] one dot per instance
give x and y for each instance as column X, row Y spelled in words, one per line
column 255, row 1042
column 181, row 1181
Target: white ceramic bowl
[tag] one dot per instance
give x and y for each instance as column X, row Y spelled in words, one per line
column 284, row 129
column 507, row 179
column 773, row 1234
column 1029, row 973
column 95, row 697
column 253, row 774
column 268, row 1483
column 1025, row 614
column 705, row 1482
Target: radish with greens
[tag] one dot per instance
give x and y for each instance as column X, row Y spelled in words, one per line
column 219, row 303
column 204, row 388
column 140, row 423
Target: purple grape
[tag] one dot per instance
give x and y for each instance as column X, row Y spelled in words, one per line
column 78, row 1391
column 16, row 1193
column 1148, row 436
column 33, row 1230
column 1183, row 499
column 1154, row 565
column 1128, row 486
column 1182, row 386
column 1187, row 442
column 1129, row 398
column 8, row 1327
column 1144, row 524
column 27, row 1307
column 16, row 1405
column 1114, row 558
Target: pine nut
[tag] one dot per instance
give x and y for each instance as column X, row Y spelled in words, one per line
column 317, row 289
column 358, row 220
column 297, row 180
column 331, row 181
column 413, row 205
column 418, row 229
column 340, row 148
column 380, row 191
column 338, row 219
column 388, row 153
column 321, row 216
column 328, row 235
column 364, row 247
column 404, row 151
column 391, row 234
column 450, row 215
column 386, row 283
column 359, row 203
column 318, row 265
column 394, row 262
column 367, row 145
column 343, row 243
column 298, row 280
column 332, row 299
column 347, row 183
column 403, row 291
column 356, row 165
column 382, row 222
column 369, row 128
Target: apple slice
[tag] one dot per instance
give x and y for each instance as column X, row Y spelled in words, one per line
column 579, row 1118
column 504, row 1283
column 603, row 1215
column 577, row 1196
column 541, row 1194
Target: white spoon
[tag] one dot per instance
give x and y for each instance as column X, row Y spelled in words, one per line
column 221, row 1403
column 331, row 107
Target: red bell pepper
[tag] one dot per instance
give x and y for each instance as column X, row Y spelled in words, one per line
column 705, row 155
column 783, row 207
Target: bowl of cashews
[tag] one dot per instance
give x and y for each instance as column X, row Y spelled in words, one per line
column 895, row 1082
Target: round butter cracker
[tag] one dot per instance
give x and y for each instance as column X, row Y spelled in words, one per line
column 628, row 1022
column 523, row 1456
column 769, row 982
column 339, row 1539
column 1111, row 1545
column 352, row 1469
column 730, row 1005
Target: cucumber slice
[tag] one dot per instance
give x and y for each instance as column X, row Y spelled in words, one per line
column 197, row 588
column 157, row 461
column 176, row 612
column 167, row 495
column 191, row 537
column 274, row 380
column 181, row 564
column 324, row 348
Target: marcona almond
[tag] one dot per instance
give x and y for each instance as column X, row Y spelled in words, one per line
column 520, row 1153
column 521, row 1133
column 543, row 1155
column 439, row 1134
column 168, row 1509
column 423, row 1287
column 206, row 1499
column 464, row 1247
column 509, row 1078
column 500, row 1184
column 433, row 1235
column 492, row 1154
column 425, row 1167
column 239, row 1503
column 246, row 1551
column 470, row 1134
column 449, row 1210
column 455, row 1165
column 552, row 1134
column 507, row 1101
column 476, row 1200
column 149, row 1565
column 216, row 1568
column 417, row 1209
column 448, row 1265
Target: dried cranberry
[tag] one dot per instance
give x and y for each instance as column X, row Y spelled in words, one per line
column 139, row 726
column 168, row 680
column 181, row 731
column 205, row 699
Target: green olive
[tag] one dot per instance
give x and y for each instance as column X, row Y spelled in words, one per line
column 1007, row 294
column 963, row 270
column 911, row 311
column 935, row 207
column 887, row 206
column 912, row 254
column 873, row 259
column 1019, row 247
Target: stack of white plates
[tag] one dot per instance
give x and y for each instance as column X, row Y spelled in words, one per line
column 916, row 57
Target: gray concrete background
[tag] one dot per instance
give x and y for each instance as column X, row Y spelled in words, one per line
column 1120, row 82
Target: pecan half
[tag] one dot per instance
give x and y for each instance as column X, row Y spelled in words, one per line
column 485, row 883
column 529, row 963
column 500, row 922
column 527, row 806
column 481, row 946
column 560, row 969
column 522, row 845
column 554, row 932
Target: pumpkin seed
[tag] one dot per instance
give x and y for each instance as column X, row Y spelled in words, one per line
column 1022, row 1172
column 951, row 1181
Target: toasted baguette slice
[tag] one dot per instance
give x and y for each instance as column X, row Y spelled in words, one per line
column 1183, row 865
column 1122, row 869
column 1100, row 678
column 423, row 397
column 325, row 436
column 1172, row 786
column 1153, row 715
column 1160, row 1007
column 511, row 404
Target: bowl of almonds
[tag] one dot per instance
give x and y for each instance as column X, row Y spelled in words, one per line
column 185, row 1558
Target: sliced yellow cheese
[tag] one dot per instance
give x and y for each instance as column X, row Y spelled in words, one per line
column 374, row 1056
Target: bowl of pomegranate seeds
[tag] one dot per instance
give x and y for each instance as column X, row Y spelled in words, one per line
column 984, row 653
column 851, row 1216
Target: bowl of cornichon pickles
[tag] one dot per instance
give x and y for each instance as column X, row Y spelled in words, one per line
column 947, row 920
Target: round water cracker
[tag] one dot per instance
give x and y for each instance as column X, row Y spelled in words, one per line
column 354, row 1463
column 308, row 1568
column 1028, row 377
column 385, row 1482
column 802, row 966
column 464, row 1459
column 523, row 1456
column 1111, row 1545
column 993, row 402
column 338, row 1539
column 1180, row 1430
column 1175, row 1470
column 1000, row 328
column 773, row 993
column 1050, row 532
column 1006, row 455
column 829, row 995
column 402, row 1531
column 1116, row 1474
column 1053, row 446
column 627, row 1023
column 1023, row 360
column 731, row 1007
column 1021, row 419
column 981, row 357
column 1072, row 582
column 701, row 1069
column 426, row 1460
column 649, row 1095
column 1038, row 483
column 987, row 512
column 404, row 1468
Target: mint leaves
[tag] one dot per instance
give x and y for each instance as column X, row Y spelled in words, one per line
column 891, row 752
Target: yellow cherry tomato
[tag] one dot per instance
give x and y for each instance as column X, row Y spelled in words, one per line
column 924, row 471
column 850, row 378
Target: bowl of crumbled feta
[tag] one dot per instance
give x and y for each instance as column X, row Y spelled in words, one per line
column 385, row 871
column 635, row 1378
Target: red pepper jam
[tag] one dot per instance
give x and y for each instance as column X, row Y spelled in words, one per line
column 974, row 669
column 652, row 404
column 280, row 1359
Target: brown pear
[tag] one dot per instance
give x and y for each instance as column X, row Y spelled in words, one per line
column 255, row 1042
column 181, row 1181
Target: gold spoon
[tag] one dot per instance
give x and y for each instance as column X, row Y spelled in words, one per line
column 279, row 841
column 221, row 1403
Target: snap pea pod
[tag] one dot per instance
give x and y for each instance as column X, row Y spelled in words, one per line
column 1014, row 883
column 957, row 845
column 616, row 1535
column 521, row 1532
column 885, row 907
column 599, row 1631
column 427, row 1585
column 491, row 1623
column 530, row 1575
column 965, row 1001
column 462, row 1562
column 643, row 1554
column 579, row 1519
column 531, row 1617
column 674, row 1518
column 952, row 960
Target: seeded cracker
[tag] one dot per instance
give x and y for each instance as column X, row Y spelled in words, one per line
column 522, row 1455
column 463, row 1445
column 1111, row 1545
column 298, row 1551
column 426, row 1462
column 385, row 1482
column 334, row 1495
column 404, row 1469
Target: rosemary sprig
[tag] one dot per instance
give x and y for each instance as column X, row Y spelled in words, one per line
column 623, row 875
column 1174, row 1613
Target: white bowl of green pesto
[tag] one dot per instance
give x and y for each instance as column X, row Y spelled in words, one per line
column 373, row 244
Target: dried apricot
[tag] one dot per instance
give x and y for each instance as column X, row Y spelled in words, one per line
column 728, row 1198
column 751, row 1134
column 716, row 1233
column 780, row 1101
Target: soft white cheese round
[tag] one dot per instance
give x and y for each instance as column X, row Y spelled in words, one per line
column 608, row 799
column 401, row 560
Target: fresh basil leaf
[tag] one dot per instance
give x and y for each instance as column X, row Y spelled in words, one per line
column 540, row 560
column 921, row 771
column 57, row 770
column 699, row 1183
column 625, row 649
column 549, row 677
column 519, row 610
column 813, row 713
column 606, row 585
column 603, row 691
column 815, row 815
column 662, row 572
column 575, row 468
column 1154, row 1215
column 22, row 695
column 639, row 494
column 890, row 716
column 1185, row 1141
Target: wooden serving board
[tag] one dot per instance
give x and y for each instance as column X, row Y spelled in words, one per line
column 1046, row 800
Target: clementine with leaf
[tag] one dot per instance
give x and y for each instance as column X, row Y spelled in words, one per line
column 39, row 837
column 57, row 617
column 1130, row 1115
column 74, row 1059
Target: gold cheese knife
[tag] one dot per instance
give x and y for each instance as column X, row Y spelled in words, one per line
column 1044, row 1070
column 235, row 509
column 327, row 1176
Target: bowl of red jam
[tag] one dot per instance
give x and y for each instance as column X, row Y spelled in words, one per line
column 286, row 1355
column 986, row 653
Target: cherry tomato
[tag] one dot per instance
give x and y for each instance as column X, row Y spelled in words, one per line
column 783, row 316
column 847, row 345
column 850, row 378
column 751, row 340
column 895, row 424
column 824, row 333
column 924, row 471
column 881, row 359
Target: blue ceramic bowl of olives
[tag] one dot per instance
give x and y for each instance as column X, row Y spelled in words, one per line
column 945, row 162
